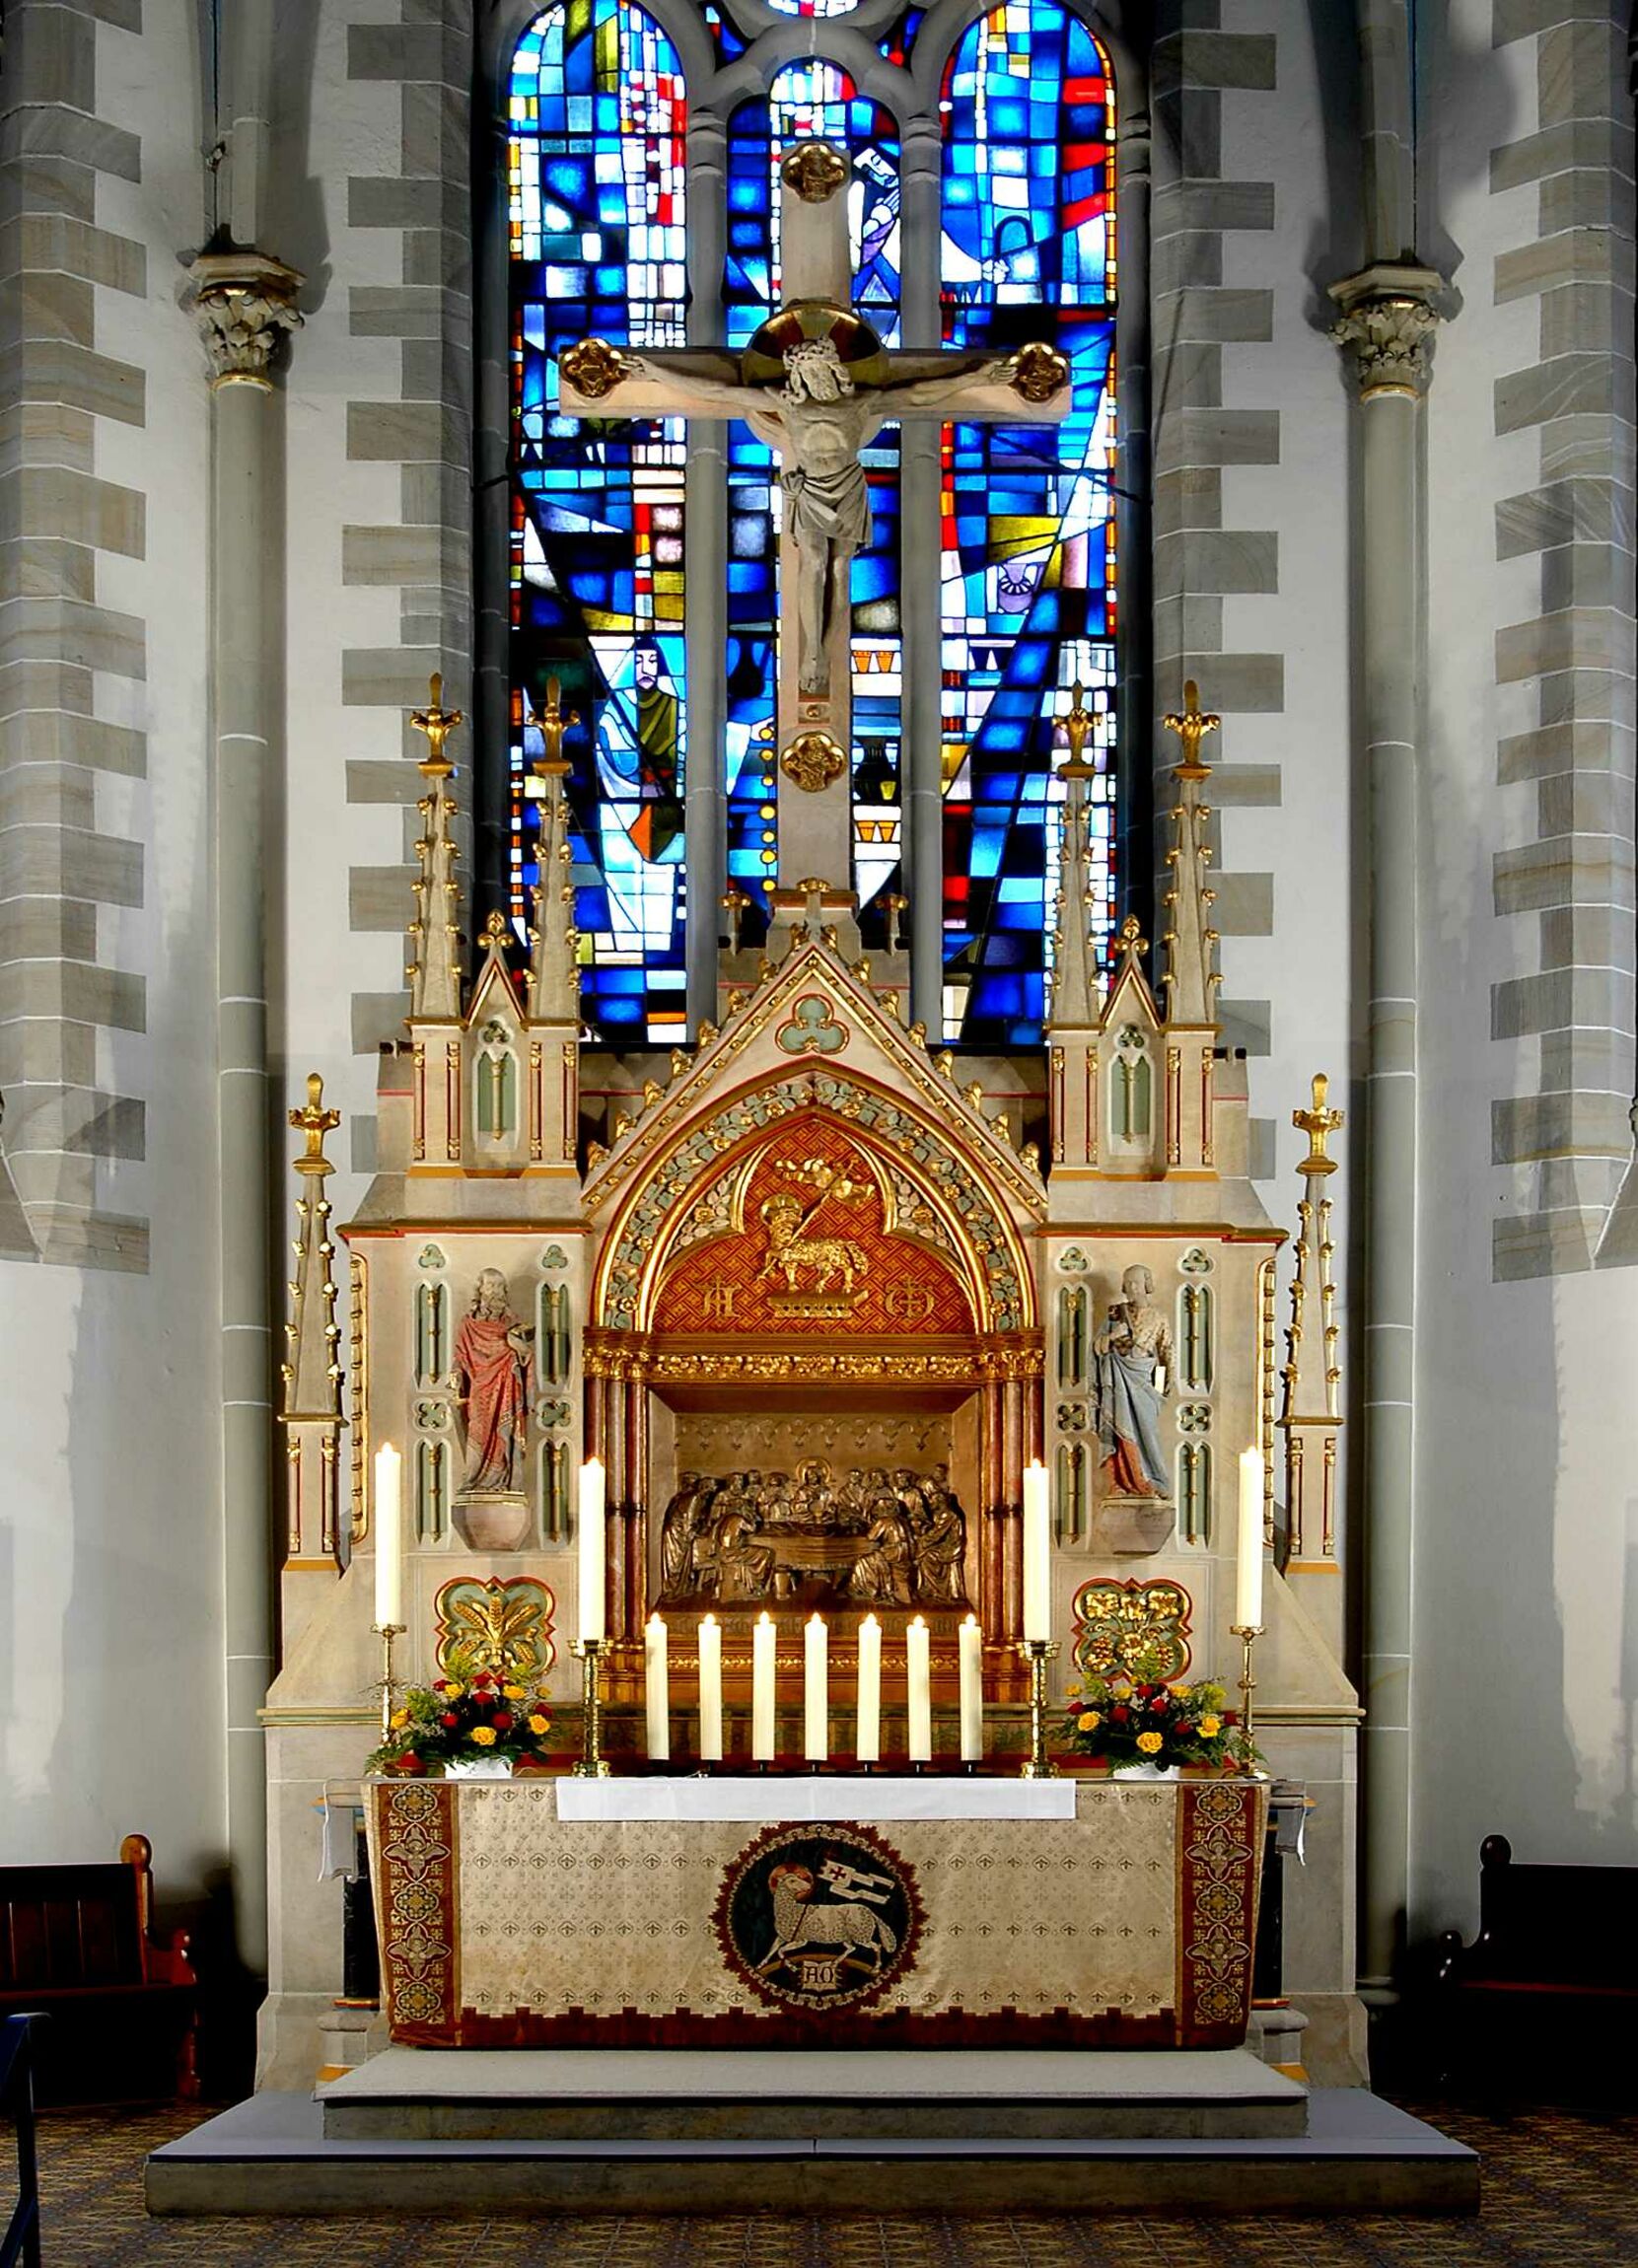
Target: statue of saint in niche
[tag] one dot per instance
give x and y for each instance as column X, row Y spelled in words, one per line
column 493, row 1360
column 1132, row 1373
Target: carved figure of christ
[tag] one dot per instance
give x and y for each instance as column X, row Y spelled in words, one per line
column 819, row 415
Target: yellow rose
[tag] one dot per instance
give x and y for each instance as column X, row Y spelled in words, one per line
column 539, row 1724
column 513, row 1692
column 484, row 1735
column 399, row 1718
column 1210, row 1726
column 1150, row 1743
column 452, row 1693
column 1088, row 1721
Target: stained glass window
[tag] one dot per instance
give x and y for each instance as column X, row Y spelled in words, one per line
column 597, row 112
column 598, row 117
column 811, row 97
column 1029, row 569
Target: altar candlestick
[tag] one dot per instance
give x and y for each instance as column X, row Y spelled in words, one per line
column 761, row 1690
column 919, row 1671
column 973, row 1690
column 1037, row 1552
column 592, row 1554
column 657, row 1689
column 867, row 1737
column 388, row 1538
column 816, row 1691
column 1249, row 1569
column 710, row 1691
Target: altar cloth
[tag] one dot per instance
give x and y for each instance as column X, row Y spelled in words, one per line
column 1130, row 1924
column 824, row 1795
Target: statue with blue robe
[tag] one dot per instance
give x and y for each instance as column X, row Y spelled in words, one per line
column 1133, row 1372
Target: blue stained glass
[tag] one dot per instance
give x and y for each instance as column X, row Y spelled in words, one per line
column 598, row 114
column 811, row 97
column 1027, row 552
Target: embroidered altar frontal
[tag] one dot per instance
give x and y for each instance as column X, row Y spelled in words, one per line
column 1130, row 1925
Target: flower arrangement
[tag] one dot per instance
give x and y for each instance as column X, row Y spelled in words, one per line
column 455, row 1719
column 1133, row 1721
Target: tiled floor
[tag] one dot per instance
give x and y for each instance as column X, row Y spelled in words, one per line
column 1559, row 2189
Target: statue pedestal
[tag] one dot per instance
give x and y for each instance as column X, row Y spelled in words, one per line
column 493, row 1523
column 1133, row 1526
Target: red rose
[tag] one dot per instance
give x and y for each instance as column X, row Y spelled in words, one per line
column 1231, row 1716
column 1185, row 1732
column 482, row 1679
column 1161, row 1700
column 1120, row 1713
column 440, row 1684
column 451, row 1720
column 503, row 1721
column 408, row 1763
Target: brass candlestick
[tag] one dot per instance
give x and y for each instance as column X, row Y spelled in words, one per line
column 1037, row 1652
column 387, row 1632
column 592, row 1765
column 1248, row 1633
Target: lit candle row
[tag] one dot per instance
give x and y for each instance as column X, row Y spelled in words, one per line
column 815, row 1690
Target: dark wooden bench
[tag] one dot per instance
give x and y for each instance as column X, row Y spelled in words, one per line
column 1546, row 1996
column 77, row 1946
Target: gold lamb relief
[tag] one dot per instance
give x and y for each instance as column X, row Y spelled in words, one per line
column 836, row 1263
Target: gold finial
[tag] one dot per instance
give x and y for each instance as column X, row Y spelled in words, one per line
column 494, row 931
column 551, row 723
column 1317, row 1125
column 734, row 901
column 1131, row 942
column 813, row 887
column 815, row 170
column 1191, row 725
column 1076, row 725
column 438, row 723
column 315, row 1121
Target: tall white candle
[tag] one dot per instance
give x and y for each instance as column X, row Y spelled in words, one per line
column 971, row 1640
column 918, row 1665
column 815, row 1690
column 710, row 1691
column 761, row 1690
column 657, row 1689
column 389, row 1537
column 593, row 1550
column 1249, row 1566
column 867, row 1737
column 1037, row 1552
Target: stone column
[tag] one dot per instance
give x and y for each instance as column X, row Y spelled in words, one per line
column 1134, row 715
column 705, row 547
column 1387, row 313
column 920, row 600
column 243, row 303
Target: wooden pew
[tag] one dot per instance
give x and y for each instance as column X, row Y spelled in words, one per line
column 1545, row 2001
column 77, row 1946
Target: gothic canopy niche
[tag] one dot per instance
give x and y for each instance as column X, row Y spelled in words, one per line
column 800, row 1204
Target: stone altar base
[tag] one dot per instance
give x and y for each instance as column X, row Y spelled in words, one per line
column 601, row 2131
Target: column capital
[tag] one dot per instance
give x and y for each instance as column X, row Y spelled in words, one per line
column 1386, row 316
column 242, row 301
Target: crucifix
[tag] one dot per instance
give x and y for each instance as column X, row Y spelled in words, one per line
column 816, row 386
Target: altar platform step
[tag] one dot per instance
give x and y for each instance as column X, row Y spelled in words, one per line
column 1360, row 2156
column 577, row 2095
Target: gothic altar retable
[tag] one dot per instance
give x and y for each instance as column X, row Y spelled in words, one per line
column 815, row 1296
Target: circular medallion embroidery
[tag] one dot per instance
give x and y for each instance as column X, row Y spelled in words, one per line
column 819, row 1917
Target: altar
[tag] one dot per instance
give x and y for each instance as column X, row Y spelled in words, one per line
column 816, row 1912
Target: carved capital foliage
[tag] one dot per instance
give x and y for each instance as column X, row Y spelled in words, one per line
column 1388, row 315
column 243, row 303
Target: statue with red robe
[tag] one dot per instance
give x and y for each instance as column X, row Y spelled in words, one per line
column 493, row 1361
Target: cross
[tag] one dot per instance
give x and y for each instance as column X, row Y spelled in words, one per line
column 1318, row 1124
column 816, row 385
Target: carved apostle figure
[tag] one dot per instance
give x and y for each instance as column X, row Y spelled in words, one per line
column 493, row 1360
column 1133, row 1372
column 940, row 1540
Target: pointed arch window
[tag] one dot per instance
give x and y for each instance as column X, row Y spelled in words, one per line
column 598, row 193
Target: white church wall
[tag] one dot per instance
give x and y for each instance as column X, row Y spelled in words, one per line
column 1526, row 1569
column 112, row 1689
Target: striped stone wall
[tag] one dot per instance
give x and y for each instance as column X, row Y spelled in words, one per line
column 67, row 659
column 1204, row 430
column 420, row 426
column 1565, row 672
